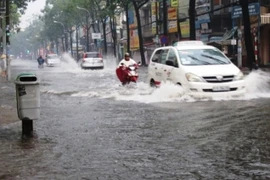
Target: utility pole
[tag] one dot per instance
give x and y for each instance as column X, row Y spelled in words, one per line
column 191, row 12
column 165, row 18
column 7, row 39
column 127, row 27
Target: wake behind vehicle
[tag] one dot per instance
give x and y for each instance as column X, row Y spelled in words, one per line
column 127, row 74
column 91, row 60
column 53, row 60
column 200, row 69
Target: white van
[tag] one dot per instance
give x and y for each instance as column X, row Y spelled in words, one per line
column 200, row 69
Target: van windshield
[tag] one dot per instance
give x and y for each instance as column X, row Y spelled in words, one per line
column 194, row 57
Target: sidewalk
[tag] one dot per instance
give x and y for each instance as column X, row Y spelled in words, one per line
column 8, row 109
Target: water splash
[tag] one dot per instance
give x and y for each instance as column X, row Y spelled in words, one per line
column 140, row 92
column 69, row 64
column 258, row 84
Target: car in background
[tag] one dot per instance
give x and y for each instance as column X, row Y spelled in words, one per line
column 91, row 60
column 53, row 60
column 200, row 69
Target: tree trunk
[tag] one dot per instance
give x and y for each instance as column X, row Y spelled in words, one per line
column 77, row 43
column 66, row 41
column 104, row 36
column 70, row 36
column 139, row 33
column 63, row 46
column 113, row 33
column 247, row 34
column 127, row 24
column 191, row 11
column 57, row 44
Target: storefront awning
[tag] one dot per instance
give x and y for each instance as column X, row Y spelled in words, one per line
column 265, row 18
column 226, row 39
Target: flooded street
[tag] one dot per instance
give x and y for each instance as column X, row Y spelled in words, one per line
column 91, row 127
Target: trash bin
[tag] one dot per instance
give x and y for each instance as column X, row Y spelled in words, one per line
column 28, row 96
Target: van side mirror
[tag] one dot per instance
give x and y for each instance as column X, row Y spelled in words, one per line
column 169, row 63
column 154, row 60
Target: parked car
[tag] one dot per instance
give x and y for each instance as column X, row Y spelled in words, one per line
column 91, row 60
column 53, row 60
column 200, row 69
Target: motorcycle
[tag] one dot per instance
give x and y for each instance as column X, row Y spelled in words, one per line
column 127, row 74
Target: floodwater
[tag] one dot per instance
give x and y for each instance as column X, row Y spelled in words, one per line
column 93, row 128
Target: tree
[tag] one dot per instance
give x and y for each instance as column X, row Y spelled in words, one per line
column 247, row 34
column 21, row 4
column 29, row 39
column 103, row 14
column 66, row 14
column 105, row 10
column 137, row 5
column 192, row 13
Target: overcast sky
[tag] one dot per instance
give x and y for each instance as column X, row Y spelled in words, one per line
column 32, row 11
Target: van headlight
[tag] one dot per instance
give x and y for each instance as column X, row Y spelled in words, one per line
column 193, row 78
column 239, row 76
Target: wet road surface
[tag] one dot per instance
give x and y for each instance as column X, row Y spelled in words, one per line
column 93, row 128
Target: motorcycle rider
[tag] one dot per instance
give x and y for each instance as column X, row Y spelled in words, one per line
column 40, row 61
column 127, row 61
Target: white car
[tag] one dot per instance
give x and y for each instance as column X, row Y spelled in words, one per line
column 92, row 60
column 53, row 60
column 200, row 69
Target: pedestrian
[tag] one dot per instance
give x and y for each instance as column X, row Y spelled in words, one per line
column 3, row 65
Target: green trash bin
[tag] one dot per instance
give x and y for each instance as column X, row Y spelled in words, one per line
column 28, row 96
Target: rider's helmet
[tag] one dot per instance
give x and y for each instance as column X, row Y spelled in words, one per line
column 127, row 56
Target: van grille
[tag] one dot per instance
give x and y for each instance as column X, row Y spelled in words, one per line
column 218, row 79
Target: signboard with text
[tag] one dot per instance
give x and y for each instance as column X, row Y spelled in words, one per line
column 96, row 35
column 254, row 9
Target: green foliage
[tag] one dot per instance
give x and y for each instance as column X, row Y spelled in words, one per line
column 31, row 38
column 14, row 18
column 21, row 4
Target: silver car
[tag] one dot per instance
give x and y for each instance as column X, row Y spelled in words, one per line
column 92, row 60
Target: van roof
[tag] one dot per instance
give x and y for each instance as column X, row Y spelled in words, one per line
column 189, row 43
column 194, row 47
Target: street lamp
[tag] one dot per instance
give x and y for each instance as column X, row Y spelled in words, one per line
column 84, row 10
column 61, row 24
column 64, row 31
column 87, row 28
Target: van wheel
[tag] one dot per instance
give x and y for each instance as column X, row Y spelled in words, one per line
column 152, row 83
column 179, row 84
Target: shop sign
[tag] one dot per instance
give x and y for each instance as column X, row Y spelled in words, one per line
column 172, row 13
column 254, row 9
column 174, row 3
column 172, row 26
column 184, row 26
